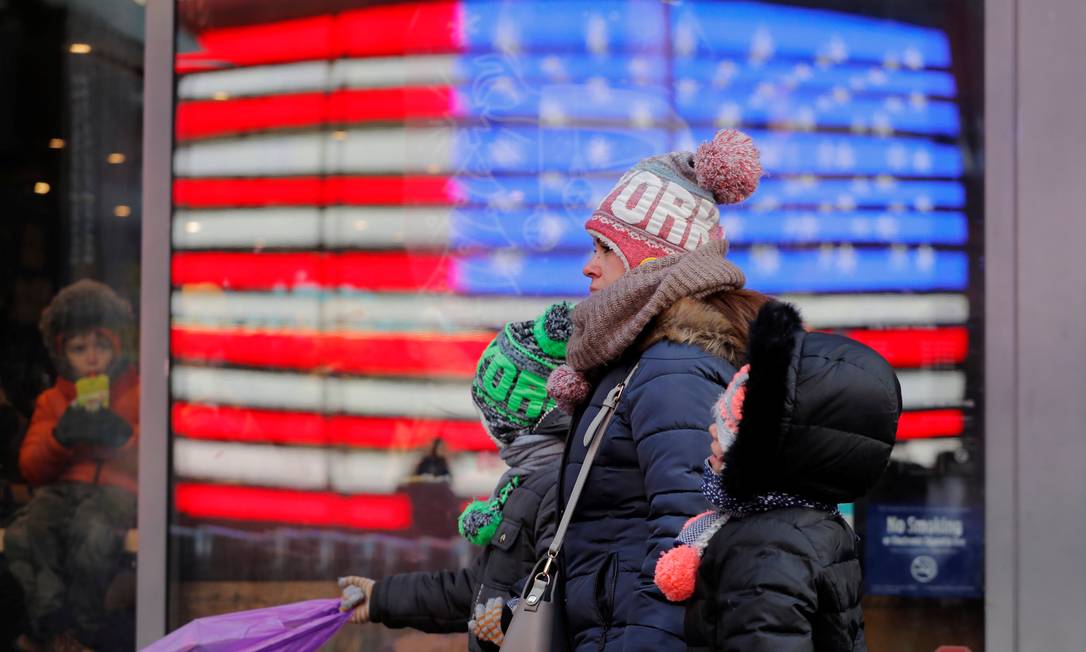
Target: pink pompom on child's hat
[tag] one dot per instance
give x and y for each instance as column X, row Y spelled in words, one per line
column 677, row 569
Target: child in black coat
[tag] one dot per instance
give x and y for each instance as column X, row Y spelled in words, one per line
column 514, row 528
column 808, row 424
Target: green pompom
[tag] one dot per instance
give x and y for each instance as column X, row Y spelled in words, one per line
column 481, row 518
column 479, row 521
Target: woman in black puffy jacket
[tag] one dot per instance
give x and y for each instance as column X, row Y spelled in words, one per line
column 810, row 423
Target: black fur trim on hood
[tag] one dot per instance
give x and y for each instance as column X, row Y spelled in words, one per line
column 83, row 306
column 819, row 417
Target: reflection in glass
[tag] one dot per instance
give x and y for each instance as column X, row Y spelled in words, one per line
column 364, row 194
column 70, row 144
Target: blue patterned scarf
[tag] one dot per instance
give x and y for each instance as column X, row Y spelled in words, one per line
column 712, row 487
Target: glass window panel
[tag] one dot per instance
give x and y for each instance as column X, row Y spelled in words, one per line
column 365, row 193
column 71, row 103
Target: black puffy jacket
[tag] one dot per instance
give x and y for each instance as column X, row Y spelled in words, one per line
column 443, row 601
column 644, row 483
column 819, row 421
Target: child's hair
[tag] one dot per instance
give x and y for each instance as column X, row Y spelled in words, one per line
column 83, row 307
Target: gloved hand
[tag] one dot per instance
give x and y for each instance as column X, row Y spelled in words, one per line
column 356, row 596
column 488, row 623
column 99, row 427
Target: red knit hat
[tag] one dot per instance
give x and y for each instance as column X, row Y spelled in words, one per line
column 667, row 204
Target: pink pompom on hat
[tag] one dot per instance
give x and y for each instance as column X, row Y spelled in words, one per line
column 668, row 204
column 676, row 572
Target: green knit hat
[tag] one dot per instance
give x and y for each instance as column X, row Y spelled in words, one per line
column 510, row 385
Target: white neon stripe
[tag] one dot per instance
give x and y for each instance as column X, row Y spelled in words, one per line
column 396, row 71
column 321, row 76
column 259, row 80
column 929, row 389
column 310, row 393
column 324, row 469
column 334, row 228
column 271, row 227
column 440, row 400
column 386, row 228
column 359, row 151
column 330, row 310
column 249, row 309
column 475, row 474
column 873, row 310
column 924, row 452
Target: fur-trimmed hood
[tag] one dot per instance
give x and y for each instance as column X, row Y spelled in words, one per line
column 696, row 322
column 85, row 305
column 820, row 414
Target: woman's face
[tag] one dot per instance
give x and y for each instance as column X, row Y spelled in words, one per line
column 604, row 267
column 88, row 353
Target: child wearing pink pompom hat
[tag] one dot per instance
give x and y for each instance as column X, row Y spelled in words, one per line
column 807, row 424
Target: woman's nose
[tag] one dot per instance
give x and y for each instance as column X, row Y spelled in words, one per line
column 591, row 269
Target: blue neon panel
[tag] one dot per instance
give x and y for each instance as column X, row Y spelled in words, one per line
column 568, row 25
column 797, row 192
column 823, row 153
column 586, row 192
column 942, row 228
column 531, row 71
column 935, row 117
column 576, row 102
column 530, row 149
column 860, row 270
column 547, row 230
column 730, row 27
column 741, row 78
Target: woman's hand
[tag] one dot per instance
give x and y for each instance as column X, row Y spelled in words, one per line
column 356, row 595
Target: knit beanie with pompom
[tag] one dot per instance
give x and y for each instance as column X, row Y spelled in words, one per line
column 510, row 384
column 668, row 204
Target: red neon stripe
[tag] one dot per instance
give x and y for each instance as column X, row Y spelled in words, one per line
column 917, row 347
column 402, row 28
column 246, row 425
column 930, row 423
column 373, row 512
column 383, row 271
column 204, row 118
column 315, row 191
column 397, row 354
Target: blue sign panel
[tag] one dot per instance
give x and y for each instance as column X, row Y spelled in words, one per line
column 924, row 551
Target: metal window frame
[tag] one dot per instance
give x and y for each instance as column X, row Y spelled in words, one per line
column 152, row 579
column 1000, row 300
column 1006, row 475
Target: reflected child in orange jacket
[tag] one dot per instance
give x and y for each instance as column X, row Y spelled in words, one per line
column 80, row 455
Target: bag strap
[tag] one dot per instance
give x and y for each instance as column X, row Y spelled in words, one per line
column 592, row 439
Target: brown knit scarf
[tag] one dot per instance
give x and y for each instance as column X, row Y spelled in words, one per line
column 609, row 321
